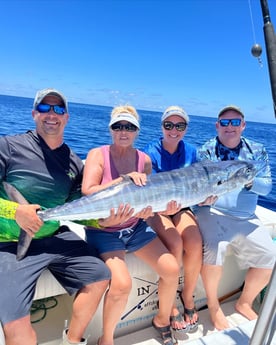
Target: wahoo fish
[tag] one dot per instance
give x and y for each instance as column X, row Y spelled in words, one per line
column 187, row 186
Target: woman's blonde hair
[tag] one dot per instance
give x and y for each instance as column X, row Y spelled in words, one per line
column 124, row 109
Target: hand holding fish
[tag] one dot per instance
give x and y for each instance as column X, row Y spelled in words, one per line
column 123, row 213
column 249, row 185
column 172, row 208
column 140, row 179
column 145, row 213
column 209, row 201
column 28, row 220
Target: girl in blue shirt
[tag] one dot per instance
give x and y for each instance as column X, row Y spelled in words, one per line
column 177, row 227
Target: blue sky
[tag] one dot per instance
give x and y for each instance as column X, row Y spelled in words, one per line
column 148, row 53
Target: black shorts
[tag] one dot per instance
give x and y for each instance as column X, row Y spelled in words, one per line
column 64, row 254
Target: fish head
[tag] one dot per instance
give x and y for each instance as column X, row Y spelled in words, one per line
column 238, row 173
column 245, row 171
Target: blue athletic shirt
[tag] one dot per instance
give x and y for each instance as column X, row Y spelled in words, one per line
column 162, row 160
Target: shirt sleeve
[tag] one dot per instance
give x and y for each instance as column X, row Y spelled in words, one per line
column 8, row 209
column 262, row 183
column 206, row 151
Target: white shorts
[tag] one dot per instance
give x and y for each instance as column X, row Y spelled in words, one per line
column 247, row 239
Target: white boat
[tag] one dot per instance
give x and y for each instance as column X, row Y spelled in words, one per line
column 52, row 306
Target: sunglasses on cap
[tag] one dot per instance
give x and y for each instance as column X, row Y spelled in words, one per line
column 128, row 127
column 179, row 126
column 226, row 122
column 45, row 108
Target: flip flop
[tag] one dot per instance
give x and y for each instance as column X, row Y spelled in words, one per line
column 190, row 313
column 179, row 318
column 165, row 333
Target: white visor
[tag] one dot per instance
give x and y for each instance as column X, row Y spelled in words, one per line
column 124, row 117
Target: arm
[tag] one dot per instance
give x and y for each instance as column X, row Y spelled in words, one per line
column 147, row 211
column 24, row 215
column 262, row 183
column 153, row 154
column 92, row 177
column 93, row 173
column 148, row 165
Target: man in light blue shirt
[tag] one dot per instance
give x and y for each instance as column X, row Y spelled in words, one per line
column 231, row 221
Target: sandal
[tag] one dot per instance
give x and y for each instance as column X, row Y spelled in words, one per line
column 165, row 333
column 179, row 318
column 190, row 313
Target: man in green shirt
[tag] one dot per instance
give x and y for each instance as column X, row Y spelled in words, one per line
column 47, row 173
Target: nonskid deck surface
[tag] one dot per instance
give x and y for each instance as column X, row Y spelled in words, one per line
column 49, row 329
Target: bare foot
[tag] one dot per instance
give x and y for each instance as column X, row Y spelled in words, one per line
column 246, row 310
column 218, row 318
column 101, row 342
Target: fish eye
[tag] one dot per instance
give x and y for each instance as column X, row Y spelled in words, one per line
column 248, row 170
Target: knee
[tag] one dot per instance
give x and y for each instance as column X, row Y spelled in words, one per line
column 168, row 267
column 120, row 287
column 19, row 329
column 100, row 286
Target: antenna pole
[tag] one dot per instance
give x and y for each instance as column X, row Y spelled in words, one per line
column 270, row 43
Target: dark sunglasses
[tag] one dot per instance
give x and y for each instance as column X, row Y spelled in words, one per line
column 129, row 127
column 179, row 126
column 226, row 122
column 45, row 108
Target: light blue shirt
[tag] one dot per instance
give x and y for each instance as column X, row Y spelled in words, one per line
column 241, row 203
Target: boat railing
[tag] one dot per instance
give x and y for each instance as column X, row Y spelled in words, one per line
column 266, row 323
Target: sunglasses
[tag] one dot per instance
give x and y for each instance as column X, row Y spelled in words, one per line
column 129, row 127
column 226, row 122
column 45, row 108
column 179, row 126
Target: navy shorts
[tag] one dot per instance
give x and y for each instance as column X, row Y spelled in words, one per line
column 128, row 239
column 64, row 254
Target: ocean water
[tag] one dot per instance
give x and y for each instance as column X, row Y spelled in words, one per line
column 88, row 128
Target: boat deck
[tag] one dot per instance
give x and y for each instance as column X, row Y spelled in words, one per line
column 239, row 335
column 51, row 326
column 134, row 328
